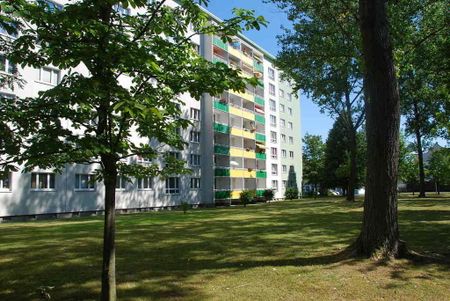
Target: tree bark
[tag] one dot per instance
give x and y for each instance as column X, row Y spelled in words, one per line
column 380, row 235
column 109, row 250
column 420, row 157
column 353, row 171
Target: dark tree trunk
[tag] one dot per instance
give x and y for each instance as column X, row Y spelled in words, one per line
column 379, row 234
column 420, row 157
column 109, row 250
column 353, row 171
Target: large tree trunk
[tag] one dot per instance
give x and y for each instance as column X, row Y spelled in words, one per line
column 109, row 250
column 379, row 234
column 353, row 170
column 420, row 157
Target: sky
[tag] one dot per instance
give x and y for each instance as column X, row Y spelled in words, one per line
column 313, row 122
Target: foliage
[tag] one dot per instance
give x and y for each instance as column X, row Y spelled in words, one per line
column 269, row 194
column 185, row 206
column 313, row 158
column 439, row 166
column 247, row 196
column 291, row 193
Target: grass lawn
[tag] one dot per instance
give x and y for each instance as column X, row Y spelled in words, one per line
column 277, row 251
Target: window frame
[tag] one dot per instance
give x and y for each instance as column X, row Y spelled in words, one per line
column 52, row 72
column 140, row 182
column 2, row 183
column 172, row 190
column 48, row 176
column 89, row 181
column 196, row 181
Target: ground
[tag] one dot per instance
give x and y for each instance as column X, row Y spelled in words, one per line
column 277, row 251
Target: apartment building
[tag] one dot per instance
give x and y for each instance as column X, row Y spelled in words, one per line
column 238, row 141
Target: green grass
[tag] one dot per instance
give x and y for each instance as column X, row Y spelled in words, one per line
column 277, row 251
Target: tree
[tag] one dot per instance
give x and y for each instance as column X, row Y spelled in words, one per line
column 408, row 165
column 322, row 54
column 439, row 167
column 336, row 171
column 379, row 234
column 291, row 185
column 422, row 57
column 313, row 159
column 138, row 67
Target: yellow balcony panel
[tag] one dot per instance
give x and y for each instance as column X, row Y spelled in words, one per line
column 242, row 173
column 242, row 133
column 246, row 59
column 242, row 113
column 235, row 194
column 246, row 75
column 234, row 52
column 244, row 95
column 236, row 152
column 249, row 154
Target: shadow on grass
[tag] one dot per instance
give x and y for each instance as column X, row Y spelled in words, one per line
column 167, row 255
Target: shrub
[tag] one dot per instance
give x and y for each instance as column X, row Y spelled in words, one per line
column 269, row 194
column 291, row 193
column 247, row 196
column 185, row 207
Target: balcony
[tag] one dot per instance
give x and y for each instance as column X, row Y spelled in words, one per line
column 221, row 106
column 219, row 195
column 258, row 66
column 261, row 156
column 221, row 150
column 221, row 128
column 222, row 172
column 260, row 137
column 261, row 174
column 218, row 59
column 259, row 100
column 219, row 43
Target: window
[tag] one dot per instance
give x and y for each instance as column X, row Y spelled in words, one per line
column 42, row 181
column 141, row 159
column 271, row 73
column 49, row 76
column 289, row 96
column 84, row 182
column 273, row 120
column 290, row 111
column 273, row 137
column 275, row 185
column 5, row 182
column 274, row 152
column 284, row 168
column 283, row 153
column 7, row 96
column 195, row 183
column 50, row 5
column 281, row 108
column 274, row 169
column 271, row 89
column 194, row 137
column 145, row 183
column 194, row 160
column 7, row 66
column 272, row 105
column 172, row 185
column 290, row 125
column 282, row 123
column 291, row 140
column 195, row 114
column 284, row 183
column 291, row 154
column 121, row 183
column 175, row 155
column 281, row 93
column 5, row 32
column 283, row 138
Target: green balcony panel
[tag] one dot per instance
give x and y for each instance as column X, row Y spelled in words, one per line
column 260, row 137
column 261, row 156
column 219, row 43
column 259, row 67
column 219, row 60
column 259, row 100
column 261, row 83
column 260, row 119
column 220, row 106
column 221, row 128
column 221, row 150
column 261, row 174
column 259, row 192
column 222, row 194
column 220, row 172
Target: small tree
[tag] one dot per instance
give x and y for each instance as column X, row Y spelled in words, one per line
column 291, row 193
column 269, row 194
column 94, row 117
column 247, row 196
column 313, row 160
column 185, row 206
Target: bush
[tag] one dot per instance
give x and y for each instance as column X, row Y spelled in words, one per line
column 247, row 197
column 185, row 207
column 291, row 193
column 268, row 194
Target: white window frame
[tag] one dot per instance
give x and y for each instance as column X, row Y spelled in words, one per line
column 121, row 183
column 284, row 169
column 90, row 183
column 291, row 154
column 7, row 65
column 194, row 114
column 282, row 123
column 291, row 140
column 273, row 120
column 52, row 71
column 283, row 153
column 196, row 135
column 194, row 160
column 290, row 111
column 283, row 138
column 282, row 108
column 275, row 185
column 281, row 93
column 272, row 105
column 274, row 171
column 175, row 189
column 195, row 183
column 273, row 137
column 2, row 183
column 271, row 73
column 272, row 89
column 141, row 182
column 47, row 176
column 274, row 153
column 290, row 125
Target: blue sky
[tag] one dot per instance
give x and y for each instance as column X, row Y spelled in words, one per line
column 312, row 120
